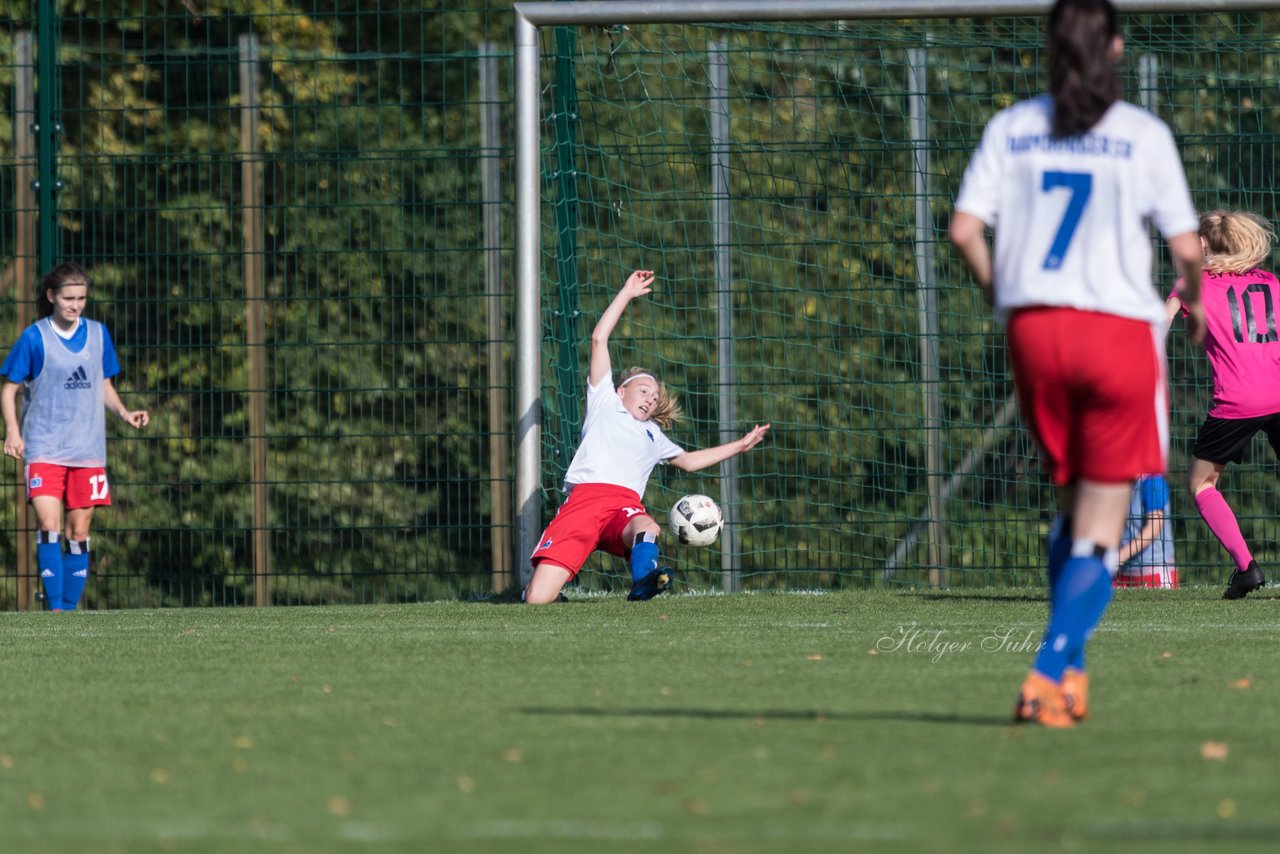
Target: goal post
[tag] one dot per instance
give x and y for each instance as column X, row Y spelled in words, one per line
column 900, row 387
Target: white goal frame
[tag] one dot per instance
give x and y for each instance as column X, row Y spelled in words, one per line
column 530, row 17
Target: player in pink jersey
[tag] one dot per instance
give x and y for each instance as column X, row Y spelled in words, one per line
column 1243, row 346
column 1070, row 183
column 622, row 440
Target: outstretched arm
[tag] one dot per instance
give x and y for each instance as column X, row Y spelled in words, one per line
column 138, row 417
column 638, row 284
column 701, row 459
column 1151, row 529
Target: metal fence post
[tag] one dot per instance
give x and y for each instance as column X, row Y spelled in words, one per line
column 48, row 127
column 255, row 337
column 718, row 103
column 927, row 295
column 495, row 294
column 528, row 337
column 24, row 262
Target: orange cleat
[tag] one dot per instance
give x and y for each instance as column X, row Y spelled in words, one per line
column 1041, row 702
column 1075, row 691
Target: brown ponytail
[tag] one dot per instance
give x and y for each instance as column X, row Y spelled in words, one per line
column 1082, row 73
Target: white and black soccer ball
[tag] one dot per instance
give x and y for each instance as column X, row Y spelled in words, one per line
column 696, row 520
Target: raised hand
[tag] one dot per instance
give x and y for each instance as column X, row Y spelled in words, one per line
column 753, row 438
column 638, row 284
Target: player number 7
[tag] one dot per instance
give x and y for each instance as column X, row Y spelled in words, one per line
column 1080, row 184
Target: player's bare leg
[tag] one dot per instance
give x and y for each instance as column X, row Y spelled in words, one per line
column 48, row 512
column 1099, row 512
column 1203, row 475
column 547, row 582
column 77, row 526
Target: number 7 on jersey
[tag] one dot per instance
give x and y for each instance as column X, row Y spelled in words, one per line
column 1080, row 185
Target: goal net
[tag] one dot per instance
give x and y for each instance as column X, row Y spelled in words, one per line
column 846, row 320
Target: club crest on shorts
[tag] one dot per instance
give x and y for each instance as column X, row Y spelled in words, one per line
column 36, row 483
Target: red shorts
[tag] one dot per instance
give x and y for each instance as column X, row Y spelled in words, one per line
column 1092, row 391
column 593, row 517
column 76, row 488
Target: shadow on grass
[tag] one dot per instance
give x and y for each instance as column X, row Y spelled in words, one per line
column 773, row 715
column 979, row 597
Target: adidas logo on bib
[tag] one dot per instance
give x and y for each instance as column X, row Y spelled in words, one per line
column 77, row 380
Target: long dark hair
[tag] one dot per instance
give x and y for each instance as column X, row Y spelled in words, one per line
column 1082, row 72
column 66, row 273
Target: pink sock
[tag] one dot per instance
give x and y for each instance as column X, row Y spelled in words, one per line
column 1218, row 516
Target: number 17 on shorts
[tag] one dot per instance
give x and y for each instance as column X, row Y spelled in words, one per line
column 74, row 487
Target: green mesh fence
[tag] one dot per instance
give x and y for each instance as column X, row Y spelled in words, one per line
column 377, row 421
column 825, row 279
column 378, row 426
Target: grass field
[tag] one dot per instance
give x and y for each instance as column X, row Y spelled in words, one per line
column 787, row 722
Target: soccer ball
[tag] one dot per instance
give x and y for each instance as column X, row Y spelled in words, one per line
column 696, row 520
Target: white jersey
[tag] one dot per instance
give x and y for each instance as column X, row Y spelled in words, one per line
column 615, row 447
column 1072, row 216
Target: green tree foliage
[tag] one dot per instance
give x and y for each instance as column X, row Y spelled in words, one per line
column 377, row 421
column 375, row 298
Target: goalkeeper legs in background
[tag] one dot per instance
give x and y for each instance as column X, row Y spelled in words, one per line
column 1222, row 440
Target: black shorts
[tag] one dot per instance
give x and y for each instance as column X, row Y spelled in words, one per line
column 1224, row 440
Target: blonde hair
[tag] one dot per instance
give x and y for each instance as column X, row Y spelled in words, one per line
column 667, row 411
column 1235, row 241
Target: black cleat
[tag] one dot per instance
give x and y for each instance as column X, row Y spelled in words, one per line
column 658, row 581
column 1244, row 583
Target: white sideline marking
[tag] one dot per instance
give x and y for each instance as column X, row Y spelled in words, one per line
column 563, row 828
column 533, row 829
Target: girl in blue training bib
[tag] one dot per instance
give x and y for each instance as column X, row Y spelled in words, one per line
column 63, row 363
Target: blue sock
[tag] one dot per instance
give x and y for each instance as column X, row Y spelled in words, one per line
column 1080, row 597
column 644, row 556
column 49, row 561
column 1099, row 598
column 75, row 572
column 1059, row 550
column 1059, row 554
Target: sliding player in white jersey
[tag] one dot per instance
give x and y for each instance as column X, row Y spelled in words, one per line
column 622, row 440
column 1069, row 181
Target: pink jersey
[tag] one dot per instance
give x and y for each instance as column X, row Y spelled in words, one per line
column 1241, row 342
